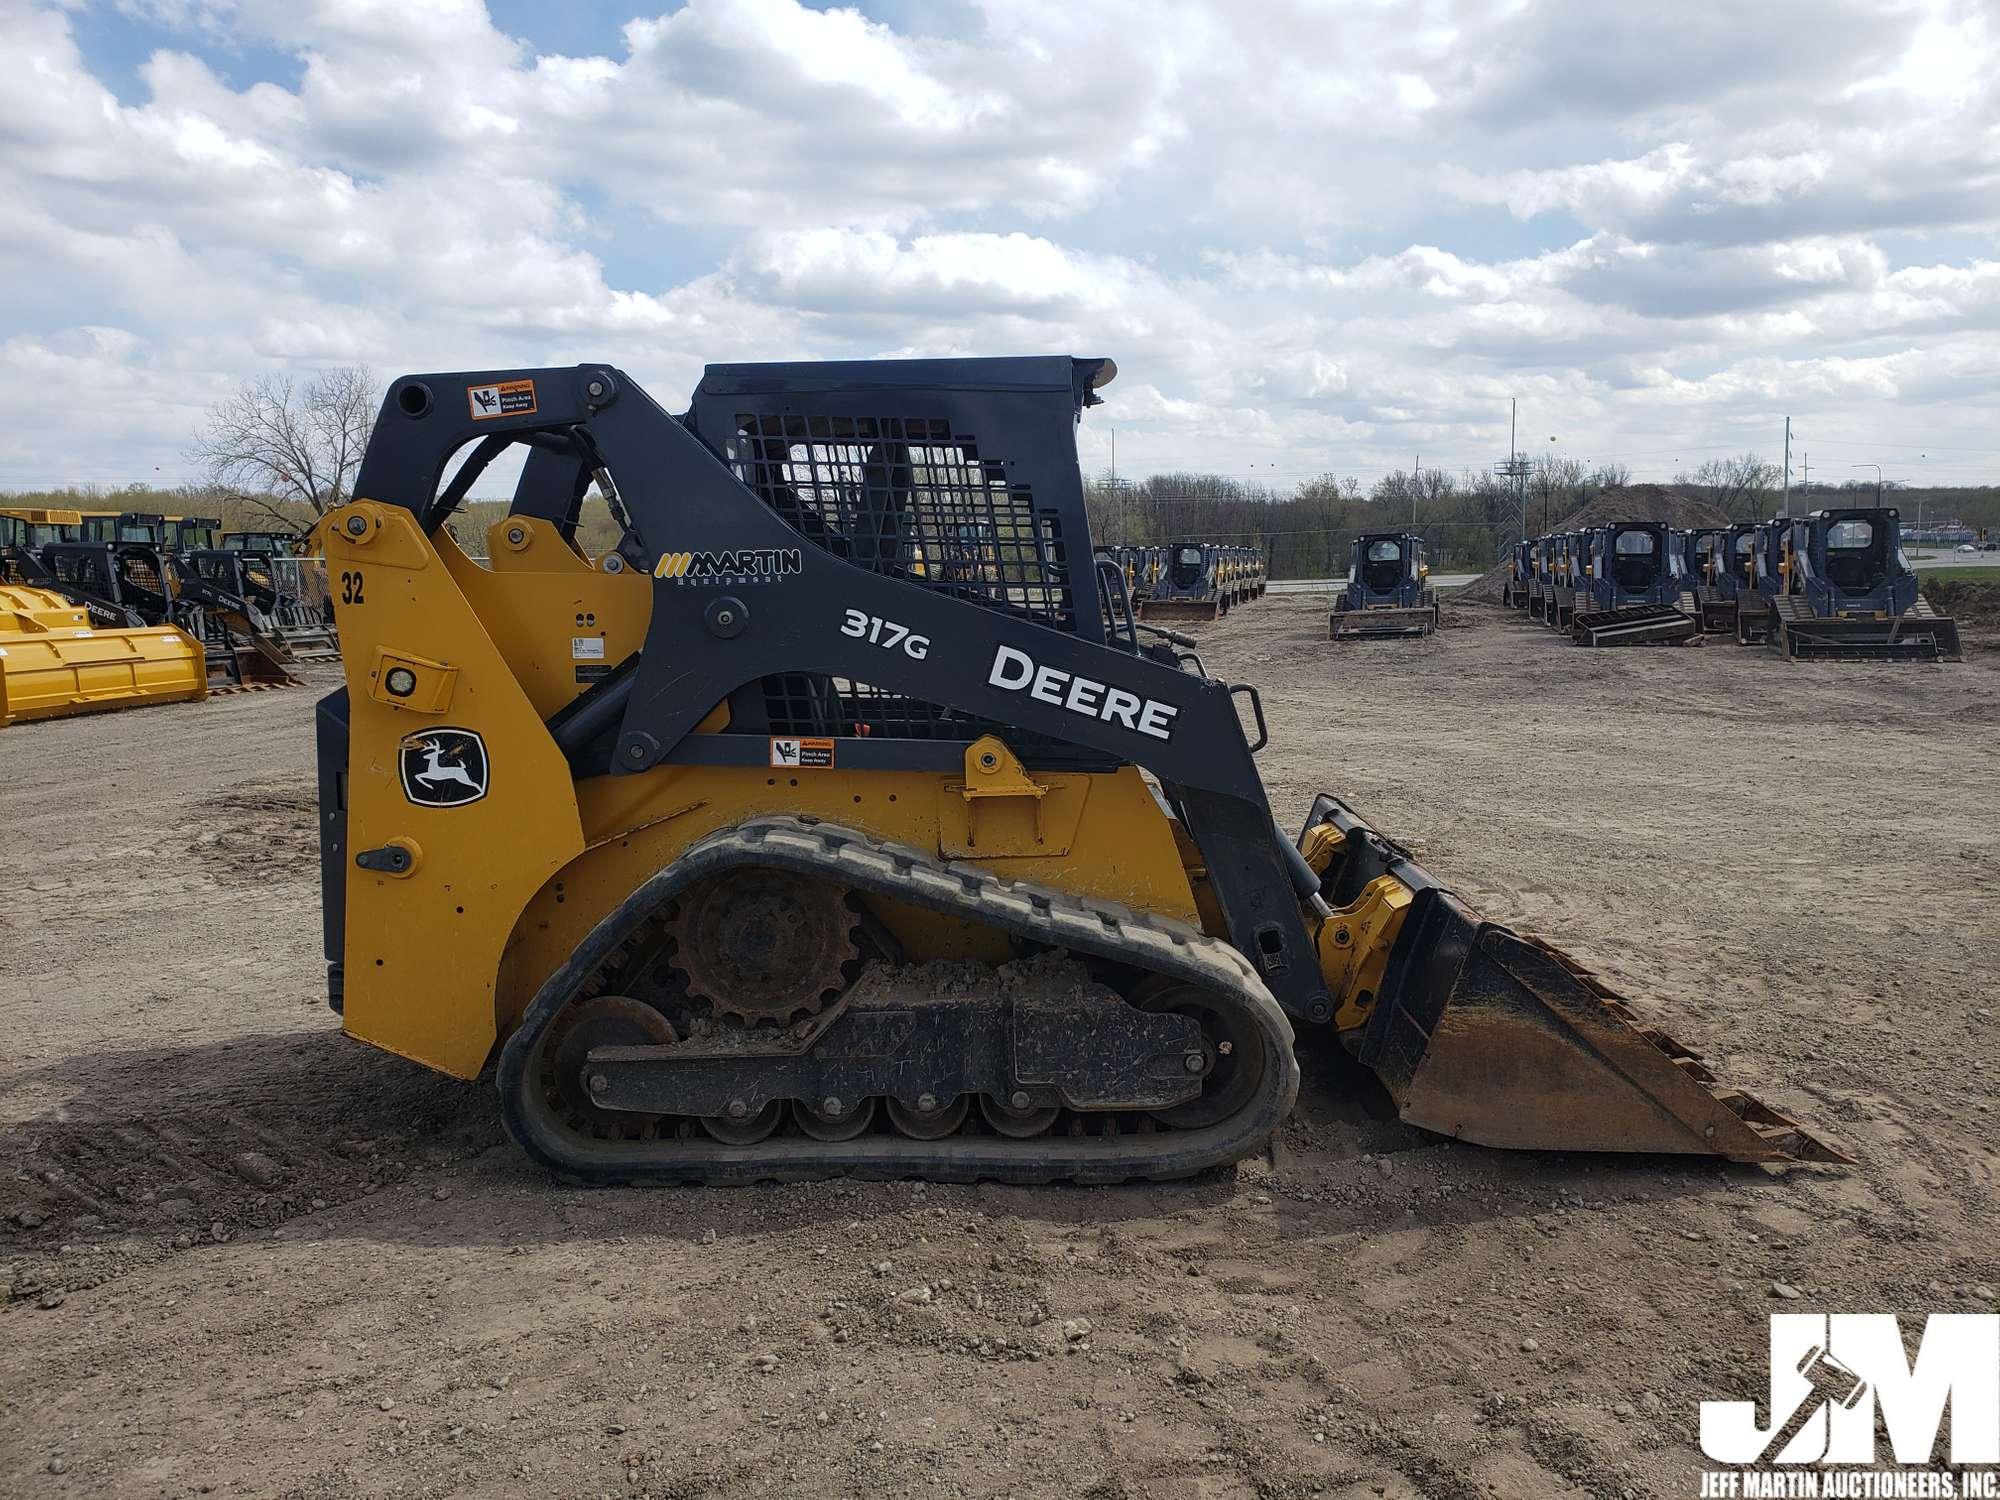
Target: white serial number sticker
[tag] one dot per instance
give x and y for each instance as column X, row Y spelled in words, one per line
column 586, row 648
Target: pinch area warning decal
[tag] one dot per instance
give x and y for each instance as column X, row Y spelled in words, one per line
column 794, row 755
column 510, row 398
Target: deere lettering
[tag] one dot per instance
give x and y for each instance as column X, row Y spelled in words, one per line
column 747, row 564
column 1017, row 672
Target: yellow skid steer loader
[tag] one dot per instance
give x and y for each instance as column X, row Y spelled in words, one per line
column 766, row 845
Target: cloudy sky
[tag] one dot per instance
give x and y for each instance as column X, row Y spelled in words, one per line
column 1326, row 236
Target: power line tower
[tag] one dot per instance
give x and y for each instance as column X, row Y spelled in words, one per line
column 1516, row 468
column 1788, row 468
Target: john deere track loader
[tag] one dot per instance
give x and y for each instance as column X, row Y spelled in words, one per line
column 1842, row 591
column 1541, row 579
column 1569, row 573
column 1763, row 579
column 1189, row 585
column 760, row 847
column 1520, row 565
column 288, row 587
column 213, row 601
column 1388, row 591
column 1727, row 574
column 1696, row 552
column 1632, row 591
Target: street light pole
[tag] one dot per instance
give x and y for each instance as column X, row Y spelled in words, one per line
column 1878, row 502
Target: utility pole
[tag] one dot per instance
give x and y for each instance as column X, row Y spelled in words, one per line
column 1416, row 478
column 1806, row 483
column 1788, row 468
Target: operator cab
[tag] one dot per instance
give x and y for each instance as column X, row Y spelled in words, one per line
column 1187, row 566
column 128, row 527
column 1742, row 548
column 1857, row 554
column 1382, row 566
column 1635, row 559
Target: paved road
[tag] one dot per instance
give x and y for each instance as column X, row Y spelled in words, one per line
column 1936, row 557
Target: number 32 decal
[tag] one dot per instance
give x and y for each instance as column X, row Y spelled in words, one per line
column 350, row 588
column 886, row 633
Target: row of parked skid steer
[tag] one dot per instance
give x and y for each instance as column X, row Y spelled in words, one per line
column 103, row 610
column 1186, row 580
column 1830, row 586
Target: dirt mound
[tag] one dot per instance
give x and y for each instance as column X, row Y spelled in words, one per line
column 1972, row 602
column 1632, row 502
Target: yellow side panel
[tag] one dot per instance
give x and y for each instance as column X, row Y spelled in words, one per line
column 523, row 544
column 558, row 623
column 82, row 671
column 423, row 947
column 1120, row 848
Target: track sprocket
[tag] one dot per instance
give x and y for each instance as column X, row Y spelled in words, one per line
column 764, row 945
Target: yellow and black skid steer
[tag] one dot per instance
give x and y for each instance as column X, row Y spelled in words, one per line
column 764, row 846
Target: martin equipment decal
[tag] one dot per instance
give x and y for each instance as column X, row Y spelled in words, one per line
column 444, row 767
column 741, row 565
column 1017, row 672
column 510, row 398
column 808, row 755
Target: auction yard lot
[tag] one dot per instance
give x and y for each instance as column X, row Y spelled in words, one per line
column 247, row 1256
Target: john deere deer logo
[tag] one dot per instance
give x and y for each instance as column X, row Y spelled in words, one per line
column 444, row 768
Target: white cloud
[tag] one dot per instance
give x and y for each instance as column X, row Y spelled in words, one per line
column 1313, row 234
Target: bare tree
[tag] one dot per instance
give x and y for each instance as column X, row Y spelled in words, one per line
column 278, row 440
column 1736, row 484
column 1401, row 489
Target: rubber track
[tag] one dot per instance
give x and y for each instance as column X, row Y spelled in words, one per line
column 1059, row 919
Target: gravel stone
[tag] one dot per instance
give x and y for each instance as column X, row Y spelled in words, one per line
column 255, row 1167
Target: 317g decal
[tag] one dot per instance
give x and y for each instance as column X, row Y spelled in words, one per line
column 886, row 633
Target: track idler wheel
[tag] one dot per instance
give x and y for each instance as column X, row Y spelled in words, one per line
column 606, row 1021
column 1236, row 1060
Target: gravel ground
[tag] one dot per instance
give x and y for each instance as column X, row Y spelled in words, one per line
column 246, row 1256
